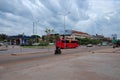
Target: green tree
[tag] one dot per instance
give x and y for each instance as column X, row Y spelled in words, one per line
column 85, row 41
column 3, row 37
column 48, row 32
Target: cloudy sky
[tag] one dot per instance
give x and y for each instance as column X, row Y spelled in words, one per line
column 91, row 16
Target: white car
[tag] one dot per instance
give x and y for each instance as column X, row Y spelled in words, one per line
column 2, row 47
column 89, row 45
column 1, row 44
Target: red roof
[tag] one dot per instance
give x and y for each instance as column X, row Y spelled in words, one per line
column 73, row 31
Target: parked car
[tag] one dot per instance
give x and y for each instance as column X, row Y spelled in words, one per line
column 1, row 44
column 89, row 45
column 3, row 47
column 99, row 44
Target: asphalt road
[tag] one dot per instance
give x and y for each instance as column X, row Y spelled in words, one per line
column 18, row 49
column 42, row 53
column 73, row 64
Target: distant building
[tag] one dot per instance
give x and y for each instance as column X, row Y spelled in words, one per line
column 21, row 39
column 102, row 38
column 97, row 36
column 114, row 36
column 17, row 39
column 78, row 34
column 72, row 34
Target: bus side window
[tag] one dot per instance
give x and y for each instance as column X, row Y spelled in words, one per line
column 65, row 41
column 72, row 41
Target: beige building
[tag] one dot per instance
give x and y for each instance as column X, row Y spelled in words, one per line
column 77, row 34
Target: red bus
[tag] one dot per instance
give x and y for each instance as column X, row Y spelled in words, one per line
column 66, row 44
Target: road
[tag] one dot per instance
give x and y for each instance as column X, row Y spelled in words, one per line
column 93, row 63
column 18, row 49
column 40, row 53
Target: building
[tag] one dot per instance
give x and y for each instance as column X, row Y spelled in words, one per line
column 72, row 34
column 101, row 37
column 78, row 34
column 104, row 40
column 22, row 39
column 17, row 39
column 97, row 36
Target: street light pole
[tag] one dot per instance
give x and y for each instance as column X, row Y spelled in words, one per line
column 33, row 28
column 64, row 15
column 64, row 27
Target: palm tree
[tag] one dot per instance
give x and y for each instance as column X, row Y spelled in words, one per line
column 48, row 32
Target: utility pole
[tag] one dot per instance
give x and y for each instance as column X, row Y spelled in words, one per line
column 64, row 15
column 33, row 28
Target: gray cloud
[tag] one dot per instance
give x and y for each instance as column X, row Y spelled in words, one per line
column 92, row 16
